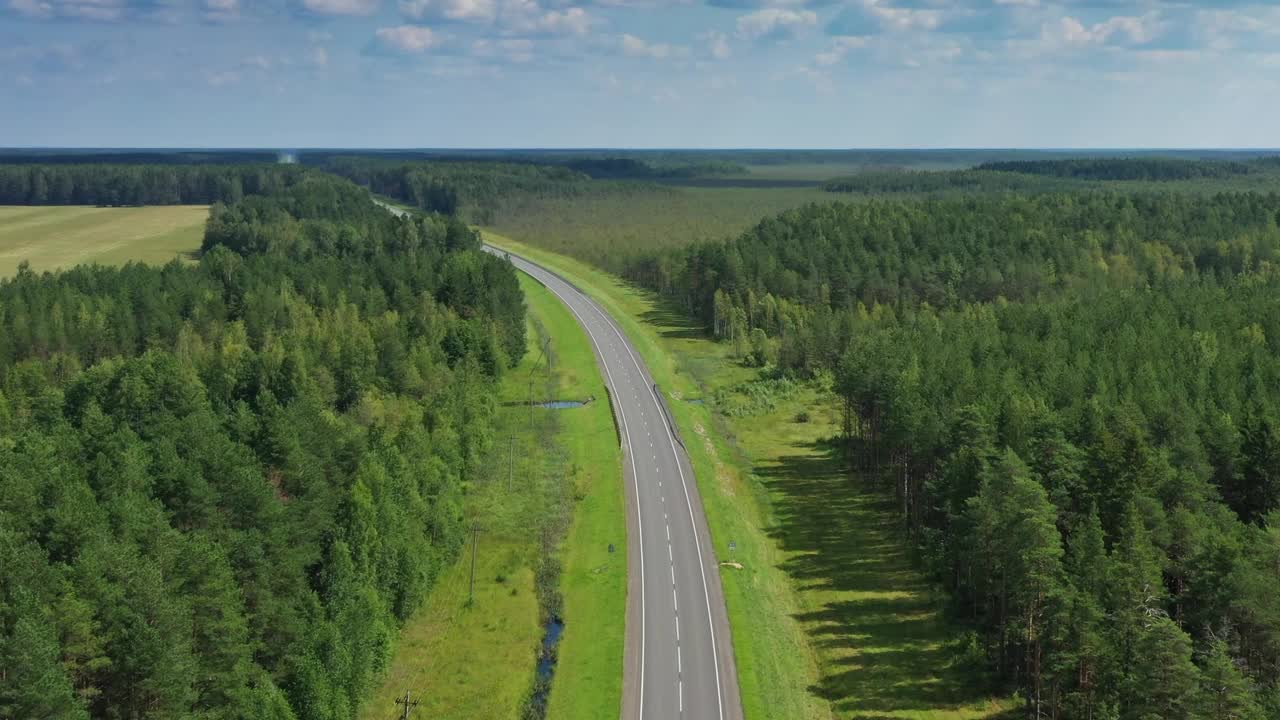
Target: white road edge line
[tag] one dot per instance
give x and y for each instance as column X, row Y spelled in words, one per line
column 706, row 594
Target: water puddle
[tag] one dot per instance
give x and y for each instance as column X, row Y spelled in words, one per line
column 551, row 404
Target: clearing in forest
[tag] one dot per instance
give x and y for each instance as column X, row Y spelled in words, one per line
column 52, row 237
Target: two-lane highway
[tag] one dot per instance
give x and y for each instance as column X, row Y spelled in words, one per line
column 679, row 657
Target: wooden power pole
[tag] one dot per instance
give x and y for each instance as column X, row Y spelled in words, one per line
column 407, row 705
column 475, row 537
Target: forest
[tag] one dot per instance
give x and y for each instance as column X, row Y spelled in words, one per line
column 224, row 484
column 1160, row 169
column 140, row 184
column 451, row 187
column 1073, row 398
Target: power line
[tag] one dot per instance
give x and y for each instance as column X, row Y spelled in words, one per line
column 407, row 705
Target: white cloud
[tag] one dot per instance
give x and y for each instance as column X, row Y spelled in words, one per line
column 840, row 48
column 341, row 7
column 774, row 23
column 319, row 57
column 573, row 21
column 525, row 17
column 32, row 8
column 221, row 10
column 99, row 10
column 222, row 79
column 1070, row 32
column 258, row 61
column 477, row 11
column 633, row 46
column 516, row 50
column 412, row 39
column 899, row 18
column 717, row 44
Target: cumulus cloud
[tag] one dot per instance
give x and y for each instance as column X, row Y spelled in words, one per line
column 221, row 10
column 869, row 17
column 222, row 79
column 515, row 50
column 408, row 39
column 633, row 46
column 1070, row 32
column 775, row 23
column 340, row 7
column 452, row 10
column 524, row 17
column 95, row 10
column 717, row 44
column 840, row 48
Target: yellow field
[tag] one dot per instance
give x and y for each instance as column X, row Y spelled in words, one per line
column 60, row 237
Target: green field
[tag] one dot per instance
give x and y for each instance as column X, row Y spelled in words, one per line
column 478, row 661
column 60, row 237
column 605, row 228
column 830, row 616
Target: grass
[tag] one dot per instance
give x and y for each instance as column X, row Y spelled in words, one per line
column 478, row 661
column 830, row 616
column 603, row 228
column 60, row 237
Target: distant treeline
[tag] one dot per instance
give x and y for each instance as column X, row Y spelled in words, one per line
column 1027, row 176
column 450, row 187
column 137, row 157
column 878, row 182
column 1158, row 169
column 141, row 184
column 1074, row 399
column 224, row 485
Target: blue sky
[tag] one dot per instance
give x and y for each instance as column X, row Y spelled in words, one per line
column 640, row 73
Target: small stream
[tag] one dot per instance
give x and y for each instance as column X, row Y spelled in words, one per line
column 553, row 629
column 548, row 654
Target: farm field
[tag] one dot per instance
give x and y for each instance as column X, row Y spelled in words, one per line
column 59, row 237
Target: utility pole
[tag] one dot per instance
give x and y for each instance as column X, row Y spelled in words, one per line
column 475, row 537
column 408, row 705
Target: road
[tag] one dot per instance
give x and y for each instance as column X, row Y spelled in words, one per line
column 679, row 655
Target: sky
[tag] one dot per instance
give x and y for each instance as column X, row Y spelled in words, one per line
column 639, row 73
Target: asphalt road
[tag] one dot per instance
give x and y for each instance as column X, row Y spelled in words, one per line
column 679, row 655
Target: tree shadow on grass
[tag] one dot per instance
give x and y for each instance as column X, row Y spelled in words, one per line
column 881, row 631
column 673, row 324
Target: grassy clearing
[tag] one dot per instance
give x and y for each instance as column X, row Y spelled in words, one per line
column 603, row 228
column 830, row 617
column 478, row 661
column 60, row 237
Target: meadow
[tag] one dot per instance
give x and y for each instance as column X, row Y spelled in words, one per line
column 830, row 615
column 50, row 237
column 605, row 228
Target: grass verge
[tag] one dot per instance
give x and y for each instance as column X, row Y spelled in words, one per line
column 477, row 661
column 59, row 237
column 830, row 616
